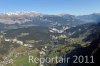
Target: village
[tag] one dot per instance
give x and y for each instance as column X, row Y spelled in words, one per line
column 7, row 59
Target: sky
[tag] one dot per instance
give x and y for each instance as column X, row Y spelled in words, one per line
column 74, row 7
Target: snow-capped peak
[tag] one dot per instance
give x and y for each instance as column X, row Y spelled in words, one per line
column 21, row 13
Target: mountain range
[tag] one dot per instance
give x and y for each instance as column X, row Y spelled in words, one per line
column 64, row 34
column 25, row 19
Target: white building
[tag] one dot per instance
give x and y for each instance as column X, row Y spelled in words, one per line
column 7, row 40
column 20, row 42
column 28, row 45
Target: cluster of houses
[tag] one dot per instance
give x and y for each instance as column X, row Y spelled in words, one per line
column 18, row 42
column 61, row 39
column 43, row 54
